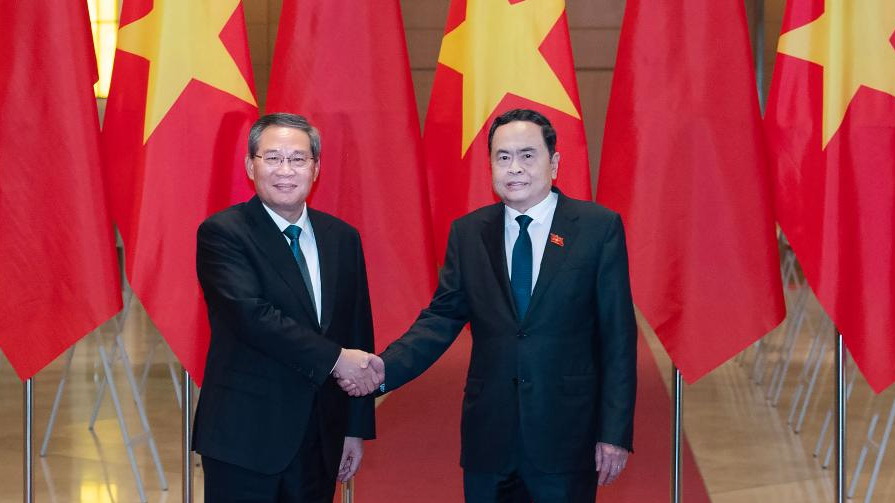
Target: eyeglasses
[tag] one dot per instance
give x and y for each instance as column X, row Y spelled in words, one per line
column 295, row 162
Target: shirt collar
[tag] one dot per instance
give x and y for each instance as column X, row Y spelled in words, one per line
column 282, row 223
column 538, row 212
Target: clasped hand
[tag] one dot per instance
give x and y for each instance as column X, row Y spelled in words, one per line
column 359, row 373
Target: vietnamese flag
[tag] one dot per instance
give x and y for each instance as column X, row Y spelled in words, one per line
column 174, row 144
column 830, row 126
column 497, row 55
column 371, row 172
column 684, row 164
column 59, row 271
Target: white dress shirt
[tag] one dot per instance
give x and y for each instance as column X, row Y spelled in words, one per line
column 538, row 230
column 308, row 246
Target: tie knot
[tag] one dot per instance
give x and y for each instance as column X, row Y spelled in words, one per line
column 523, row 220
column 292, row 232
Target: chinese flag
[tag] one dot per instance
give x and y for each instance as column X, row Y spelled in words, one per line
column 59, row 272
column 343, row 64
column 497, row 55
column 830, row 126
column 684, row 164
column 174, row 144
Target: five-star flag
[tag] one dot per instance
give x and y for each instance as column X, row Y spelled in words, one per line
column 189, row 50
column 59, row 273
column 497, row 55
column 684, row 164
column 174, row 143
column 371, row 176
column 830, row 126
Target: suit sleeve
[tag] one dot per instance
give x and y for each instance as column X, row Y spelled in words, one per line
column 436, row 327
column 361, row 410
column 617, row 341
column 235, row 295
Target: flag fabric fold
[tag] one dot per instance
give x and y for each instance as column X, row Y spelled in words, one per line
column 344, row 66
column 497, row 55
column 59, row 271
column 174, row 143
column 830, row 126
column 684, row 163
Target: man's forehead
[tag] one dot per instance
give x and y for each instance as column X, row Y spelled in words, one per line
column 284, row 134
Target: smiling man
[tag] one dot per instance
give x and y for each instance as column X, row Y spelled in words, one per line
column 543, row 281
column 288, row 304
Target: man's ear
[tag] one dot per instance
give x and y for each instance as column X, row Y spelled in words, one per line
column 554, row 164
column 250, row 168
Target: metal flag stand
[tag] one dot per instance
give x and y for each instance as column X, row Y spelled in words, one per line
column 28, row 459
column 186, row 413
column 118, row 352
column 840, row 419
column 348, row 491
column 677, row 389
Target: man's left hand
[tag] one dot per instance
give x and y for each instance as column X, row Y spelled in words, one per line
column 352, row 452
column 611, row 461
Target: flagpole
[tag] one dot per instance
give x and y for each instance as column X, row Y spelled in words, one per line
column 348, row 491
column 758, row 51
column 186, row 412
column 840, row 418
column 677, row 389
column 28, row 459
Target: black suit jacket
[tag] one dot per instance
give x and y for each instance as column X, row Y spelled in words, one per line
column 570, row 364
column 269, row 361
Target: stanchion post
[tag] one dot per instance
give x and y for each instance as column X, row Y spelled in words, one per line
column 28, row 460
column 677, row 388
column 348, row 491
column 186, row 413
column 841, row 481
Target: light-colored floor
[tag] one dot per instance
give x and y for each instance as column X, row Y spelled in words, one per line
column 745, row 449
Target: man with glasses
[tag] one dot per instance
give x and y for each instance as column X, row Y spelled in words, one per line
column 542, row 280
column 289, row 308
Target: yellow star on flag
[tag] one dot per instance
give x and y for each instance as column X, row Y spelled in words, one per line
column 851, row 40
column 496, row 50
column 180, row 38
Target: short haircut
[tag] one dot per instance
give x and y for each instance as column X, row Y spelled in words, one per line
column 526, row 115
column 293, row 121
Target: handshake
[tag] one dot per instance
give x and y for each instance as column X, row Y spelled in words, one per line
column 359, row 373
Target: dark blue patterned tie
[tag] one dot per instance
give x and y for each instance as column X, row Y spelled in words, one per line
column 293, row 232
column 520, row 276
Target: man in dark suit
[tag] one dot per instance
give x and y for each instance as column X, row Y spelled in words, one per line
column 286, row 288
column 543, row 281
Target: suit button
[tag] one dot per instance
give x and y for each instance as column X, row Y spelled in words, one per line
column 517, row 381
column 520, row 334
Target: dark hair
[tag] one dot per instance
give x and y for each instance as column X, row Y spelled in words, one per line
column 526, row 115
column 285, row 120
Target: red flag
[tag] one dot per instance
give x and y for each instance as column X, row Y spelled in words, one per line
column 59, row 272
column 343, row 64
column 497, row 55
column 174, row 144
column 830, row 126
column 684, row 163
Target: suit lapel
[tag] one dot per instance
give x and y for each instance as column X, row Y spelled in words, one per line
column 269, row 238
column 492, row 235
column 328, row 255
column 565, row 227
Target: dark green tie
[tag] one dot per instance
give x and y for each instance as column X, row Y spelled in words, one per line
column 293, row 232
column 520, row 276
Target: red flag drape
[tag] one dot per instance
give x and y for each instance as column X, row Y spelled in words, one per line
column 684, row 163
column 830, row 125
column 174, row 144
column 343, row 64
column 496, row 56
column 59, row 272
